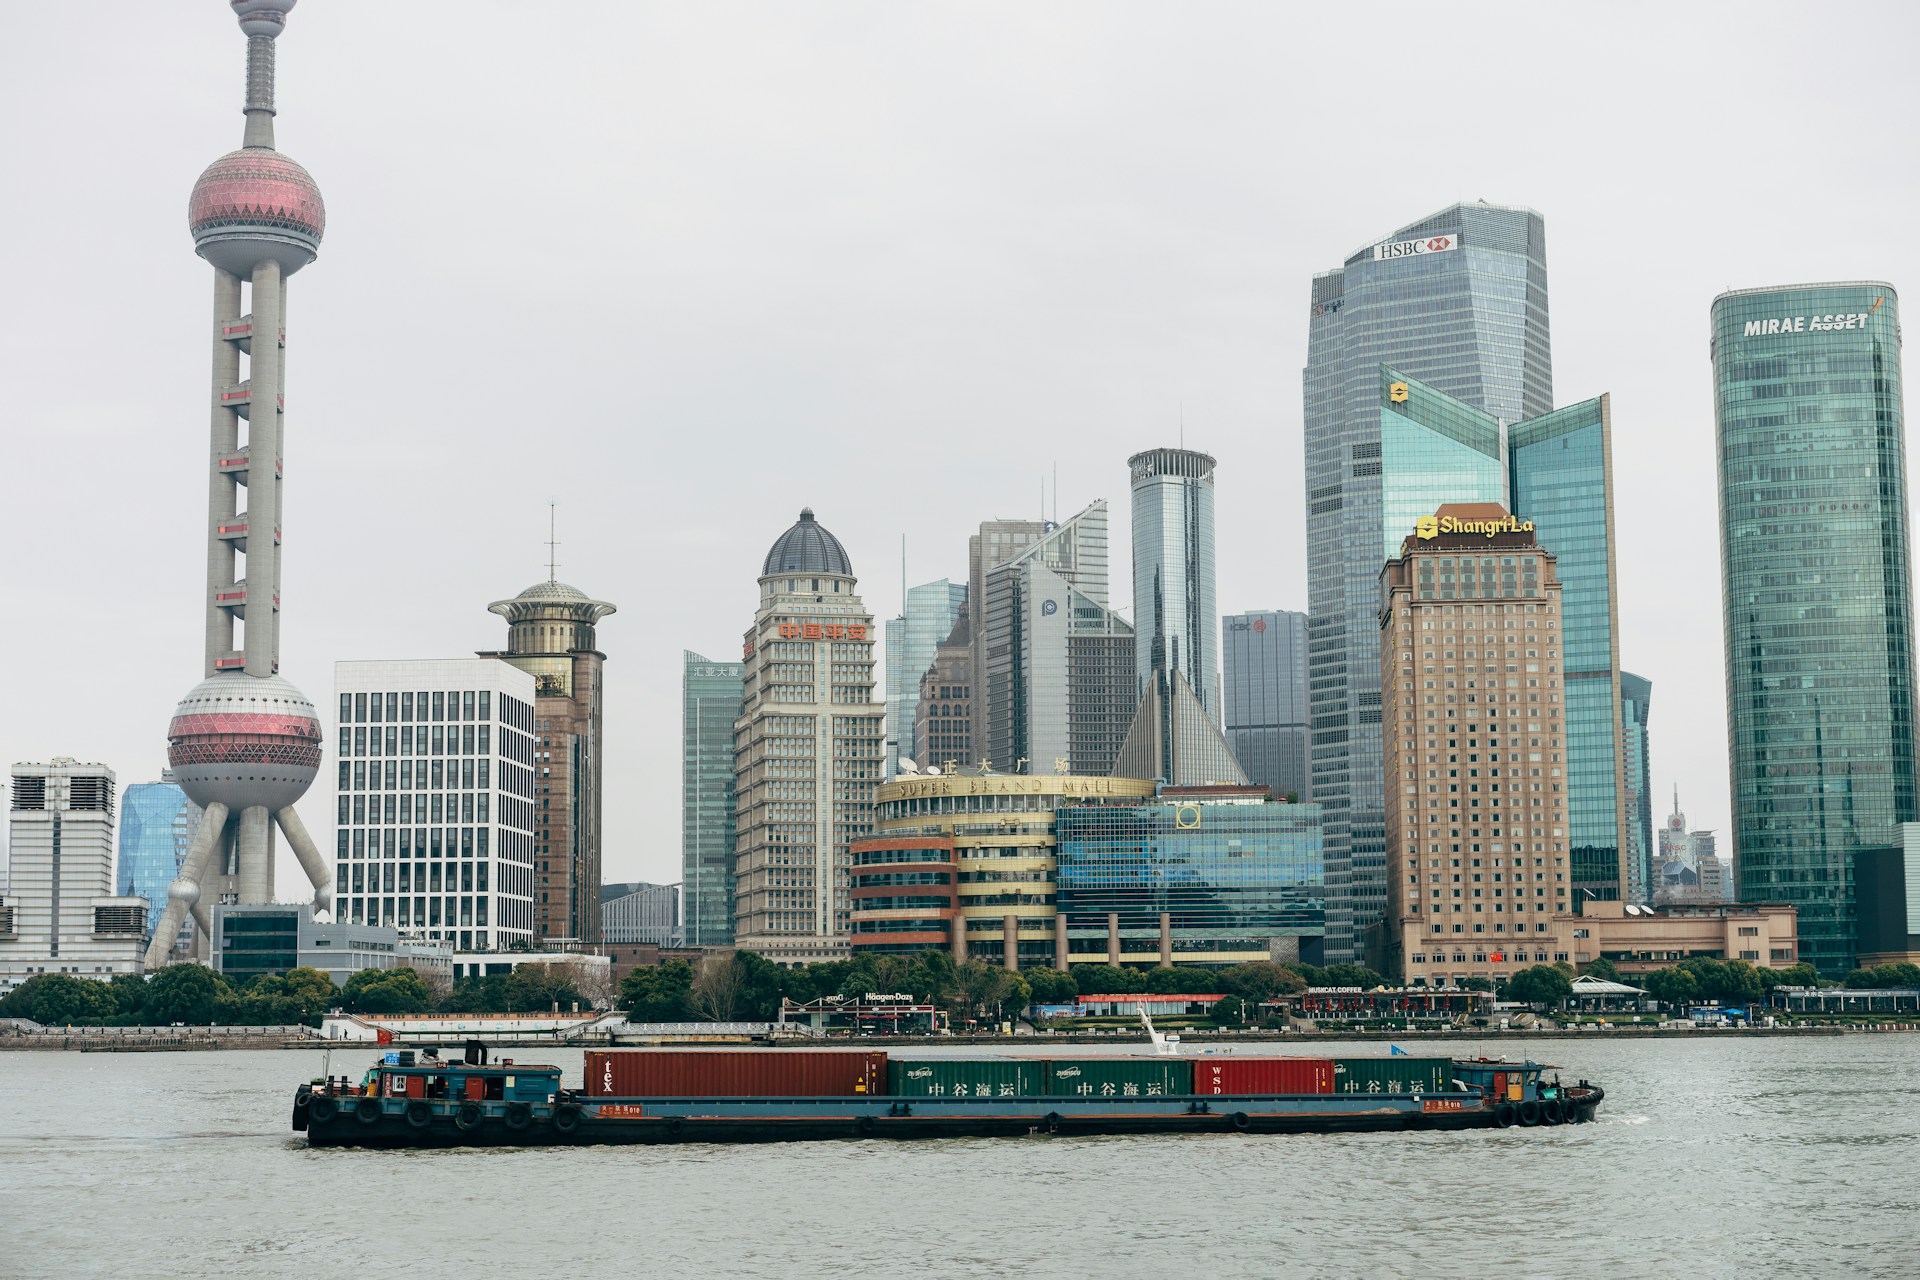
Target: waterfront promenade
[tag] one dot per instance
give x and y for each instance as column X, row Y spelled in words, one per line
column 28, row 1038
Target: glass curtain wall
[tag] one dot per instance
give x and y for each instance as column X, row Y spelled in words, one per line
column 712, row 694
column 1561, row 479
column 1458, row 300
column 1818, row 595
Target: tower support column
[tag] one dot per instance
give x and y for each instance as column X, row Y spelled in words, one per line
column 223, row 499
column 253, row 878
column 288, row 820
column 263, row 475
column 185, row 890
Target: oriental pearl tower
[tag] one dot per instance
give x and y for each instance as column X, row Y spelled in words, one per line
column 244, row 743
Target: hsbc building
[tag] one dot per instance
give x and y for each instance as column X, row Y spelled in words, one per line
column 1458, row 301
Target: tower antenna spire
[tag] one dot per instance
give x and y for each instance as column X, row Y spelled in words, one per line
column 553, row 545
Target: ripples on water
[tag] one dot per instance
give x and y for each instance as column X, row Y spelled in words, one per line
column 1713, row 1157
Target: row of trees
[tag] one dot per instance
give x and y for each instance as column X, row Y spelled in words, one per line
column 196, row 996
column 1733, row 983
column 743, row 987
column 746, row 987
column 530, row 988
column 191, row 994
column 1882, row 977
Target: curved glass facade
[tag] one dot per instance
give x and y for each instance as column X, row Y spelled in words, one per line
column 1175, row 619
column 1818, row 595
column 156, row 824
column 1560, row 467
column 926, row 620
column 1229, row 877
column 1636, row 699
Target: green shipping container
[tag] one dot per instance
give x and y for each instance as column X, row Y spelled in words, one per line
column 966, row 1077
column 1118, row 1077
column 1392, row 1075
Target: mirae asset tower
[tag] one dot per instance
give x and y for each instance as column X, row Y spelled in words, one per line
column 1818, row 591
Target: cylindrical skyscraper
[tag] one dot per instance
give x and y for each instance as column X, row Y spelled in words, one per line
column 244, row 743
column 1176, row 624
column 1818, row 594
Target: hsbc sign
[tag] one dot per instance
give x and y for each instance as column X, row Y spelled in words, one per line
column 1414, row 248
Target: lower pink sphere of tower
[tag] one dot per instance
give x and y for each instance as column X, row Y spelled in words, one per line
column 242, row 740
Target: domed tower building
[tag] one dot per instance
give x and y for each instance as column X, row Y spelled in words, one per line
column 245, row 743
column 808, row 751
column 551, row 635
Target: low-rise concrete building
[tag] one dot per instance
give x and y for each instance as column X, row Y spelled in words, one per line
column 638, row 912
column 249, row 940
column 1635, row 939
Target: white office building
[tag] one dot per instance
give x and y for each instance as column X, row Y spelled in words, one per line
column 435, row 799
column 60, row 913
column 638, row 912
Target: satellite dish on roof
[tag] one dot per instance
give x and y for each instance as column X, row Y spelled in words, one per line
column 908, row 766
column 933, row 770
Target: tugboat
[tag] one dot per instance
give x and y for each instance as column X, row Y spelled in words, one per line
column 777, row 1095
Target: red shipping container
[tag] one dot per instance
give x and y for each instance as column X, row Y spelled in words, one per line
column 735, row 1073
column 1229, row 1075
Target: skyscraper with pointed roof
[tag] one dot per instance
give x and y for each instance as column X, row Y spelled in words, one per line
column 808, row 750
column 1175, row 733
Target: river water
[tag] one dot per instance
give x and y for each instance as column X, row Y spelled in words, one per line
column 1713, row 1156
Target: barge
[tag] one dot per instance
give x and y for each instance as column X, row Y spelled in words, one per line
column 784, row 1095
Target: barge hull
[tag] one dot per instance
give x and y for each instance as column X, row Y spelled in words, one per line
column 1060, row 1118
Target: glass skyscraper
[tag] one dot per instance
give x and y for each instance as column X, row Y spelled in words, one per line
column 1050, row 697
column 712, row 693
column 1636, row 697
column 156, row 825
column 1561, row 478
column 1816, row 582
column 1175, row 617
column 930, row 612
column 1457, row 301
column 1265, row 698
column 1428, row 449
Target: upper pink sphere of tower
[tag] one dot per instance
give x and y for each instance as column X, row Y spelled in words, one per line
column 254, row 204
column 262, row 17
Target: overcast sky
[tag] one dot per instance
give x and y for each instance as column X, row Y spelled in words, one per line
column 686, row 268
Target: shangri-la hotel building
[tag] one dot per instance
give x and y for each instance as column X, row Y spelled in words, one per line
column 1472, row 715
